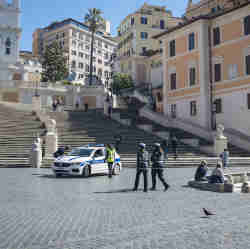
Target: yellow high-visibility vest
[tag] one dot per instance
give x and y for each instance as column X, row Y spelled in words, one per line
column 111, row 155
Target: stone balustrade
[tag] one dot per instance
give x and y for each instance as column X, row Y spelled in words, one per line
column 214, row 187
column 238, row 177
column 233, row 180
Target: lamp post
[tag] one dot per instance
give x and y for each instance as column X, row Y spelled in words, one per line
column 36, row 100
column 150, row 95
column 214, row 114
column 37, row 80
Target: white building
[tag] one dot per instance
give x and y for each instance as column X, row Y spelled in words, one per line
column 10, row 33
column 75, row 38
column 30, row 65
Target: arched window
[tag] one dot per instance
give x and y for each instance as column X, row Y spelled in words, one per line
column 7, row 46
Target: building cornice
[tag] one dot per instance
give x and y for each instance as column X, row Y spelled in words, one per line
column 75, row 24
column 202, row 17
column 5, row 27
column 10, row 9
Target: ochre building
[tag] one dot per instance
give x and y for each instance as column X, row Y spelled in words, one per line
column 206, row 67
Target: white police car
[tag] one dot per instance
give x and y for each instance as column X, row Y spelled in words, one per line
column 85, row 161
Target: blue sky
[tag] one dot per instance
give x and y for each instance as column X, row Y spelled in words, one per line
column 37, row 13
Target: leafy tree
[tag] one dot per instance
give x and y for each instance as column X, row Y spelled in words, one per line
column 121, row 81
column 95, row 21
column 54, row 64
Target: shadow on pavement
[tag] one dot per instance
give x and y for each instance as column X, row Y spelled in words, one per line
column 64, row 176
column 125, row 190
column 45, row 175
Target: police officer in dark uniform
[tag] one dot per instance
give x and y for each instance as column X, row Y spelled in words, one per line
column 61, row 151
column 157, row 160
column 118, row 140
column 142, row 167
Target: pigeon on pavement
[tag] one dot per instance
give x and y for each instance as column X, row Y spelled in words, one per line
column 207, row 213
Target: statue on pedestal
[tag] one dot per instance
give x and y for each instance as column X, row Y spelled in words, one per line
column 36, row 153
column 220, row 141
column 245, row 188
column 51, row 126
column 230, row 179
column 219, row 134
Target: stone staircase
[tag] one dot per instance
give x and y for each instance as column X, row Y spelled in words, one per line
column 76, row 128
column 17, row 131
column 131, row 112
column 238, row 156
column 80, row 128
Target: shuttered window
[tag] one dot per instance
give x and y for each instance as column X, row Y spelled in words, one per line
column 218, row 106
column 144, row 35
column 216, row 35
column 192, row 76
column 172, row 48
column 132, row 21
column 162, row 24
column 144, row 20
column 248, row 101
column 173, row 81
column 248, row 65
column 247, row 25
column 217, row 72
column 191, row 41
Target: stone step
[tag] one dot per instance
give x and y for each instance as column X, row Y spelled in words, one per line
column 17, row 130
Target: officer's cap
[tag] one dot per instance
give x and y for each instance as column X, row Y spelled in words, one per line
column 142, row 145
column 157, row 145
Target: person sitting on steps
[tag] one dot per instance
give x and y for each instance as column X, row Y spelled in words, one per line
column 200, row 174
column 217, row 175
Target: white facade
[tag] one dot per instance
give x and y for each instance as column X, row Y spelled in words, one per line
column 75, row 38
column 31, row 68
column 235, row 112
column 156, row 76
column 9, row 37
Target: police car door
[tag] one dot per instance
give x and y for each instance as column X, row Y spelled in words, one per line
column 98, row 165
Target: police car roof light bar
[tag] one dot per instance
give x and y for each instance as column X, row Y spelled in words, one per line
column 95, row 145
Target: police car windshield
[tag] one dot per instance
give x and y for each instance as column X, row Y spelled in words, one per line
column 84, row 152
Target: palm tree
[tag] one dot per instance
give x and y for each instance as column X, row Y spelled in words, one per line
column 94, row 20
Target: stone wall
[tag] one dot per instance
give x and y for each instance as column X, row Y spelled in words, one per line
column 23, row 91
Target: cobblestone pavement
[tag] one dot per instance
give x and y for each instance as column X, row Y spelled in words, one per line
column 38, row 211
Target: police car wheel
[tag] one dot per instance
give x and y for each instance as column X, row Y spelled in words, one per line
column 58, row 175
column 117, row 169
column 86, row 171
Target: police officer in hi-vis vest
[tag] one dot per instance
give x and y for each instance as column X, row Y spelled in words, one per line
column 110, row 158
column 142, row 167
